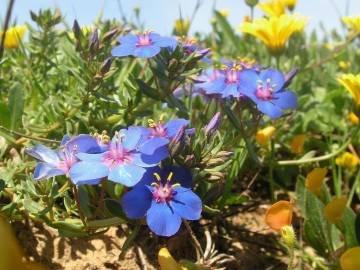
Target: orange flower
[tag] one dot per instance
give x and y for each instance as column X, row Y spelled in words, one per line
column 350, row 259
column 297, row 144
column 334, row 210
column 354, row 119
column 279, row 215
column 263, row 136
column 315, row 179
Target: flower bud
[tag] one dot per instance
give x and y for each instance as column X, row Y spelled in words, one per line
column 106, row 66
column 288, row 236
column 224, row 154
column 213, row 125
column 176, row 143
column 334, row 210
column 297, row 144
column 290, row 76
column 76, row 29
column 347, row 160
column 263, row 136
column 109, row 35
column 251, row 3
column 314, row 180
column 94, row 41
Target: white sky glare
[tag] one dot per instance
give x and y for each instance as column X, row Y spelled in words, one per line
column 159, row 15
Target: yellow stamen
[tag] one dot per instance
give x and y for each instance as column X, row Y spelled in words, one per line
column 223, row 67
column 166, row 190
column 157, row 176
column 175, row 185
column 151, row 123
column 161, row 118
column 268, row 80
column 170, row 176
column 154, row 184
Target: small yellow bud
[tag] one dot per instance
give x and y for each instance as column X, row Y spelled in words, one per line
column 347, row 160
column 182, row 27
column 288, row 236
column 354, row 119
column 224, row 12
column 166, row 261
column 334, row 210
column 297, row 144
column 350, row 259
column 344, row 65
column 315, row 179
column 263, row 136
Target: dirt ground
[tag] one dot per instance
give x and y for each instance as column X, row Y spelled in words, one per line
column 242, row 236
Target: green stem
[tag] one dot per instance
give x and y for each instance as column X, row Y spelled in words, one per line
column 292, row 255
column 353, row 188
column 316, row 159
column 271, row 170
column 337, row 183
column 76, row 196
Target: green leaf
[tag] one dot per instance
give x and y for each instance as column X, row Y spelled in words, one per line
column 319, row 233
column 114, row 208
column 357, row 228
column 84, row 201
column 4, row 115
column 349, row 227
column 16, row 105
column 147, row 90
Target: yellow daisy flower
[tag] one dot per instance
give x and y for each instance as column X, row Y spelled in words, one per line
column 274, row 32
column 353, row 23
column 13, row 36
column 352, row 83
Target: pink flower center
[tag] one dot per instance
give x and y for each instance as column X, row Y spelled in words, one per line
column 117, row 154
column 157, row 129
column 265, row 92
column 69, row 159
column 144, row 40
column 232, row 76
column 163, row 193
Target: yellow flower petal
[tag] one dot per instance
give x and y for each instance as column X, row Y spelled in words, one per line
column 353, row 23
column 290, row 4
column 297, row 144
column 350, row 259
column 351, row 83
column 279, row 215
column 166, row 261
column 13, row 36
column 182, row 27
column 315, row 179
column 334, row 210
column 264, row 135
column 274, row 32
column 273, row 7
column 354, row 119
column 347, row 160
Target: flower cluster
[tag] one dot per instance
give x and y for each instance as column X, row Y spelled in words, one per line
column 130, row 158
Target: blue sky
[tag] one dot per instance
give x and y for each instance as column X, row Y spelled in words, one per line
column 160, row 14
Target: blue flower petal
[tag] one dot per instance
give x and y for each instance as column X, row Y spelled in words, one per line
column 163, row 41
column 248, row 82
column 89, row 182
column 173, row 126
column 132, row 137
column 65, row 139
column 123, row 50
column 136, row 202
column 162, row 220
column 277, row 79
column 90, row 157
column 181, row 175
column 146, row 51
column 128, row 39
column 269, row 109
column 84, row 144
column 231, row 89
column 151, row 145
column 285, row 100
column 44, row 154
column 151, row 160
column 213, row 87
column 87, row 171
column 45, row 171
column 186, row 204
column 126, row 174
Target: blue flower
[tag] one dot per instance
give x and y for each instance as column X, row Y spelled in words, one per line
column 266, row 89
column 143, row 45
column 158, row 135
column 123, row 162
column 227, row 83
column 53, row 163
column 164, row 197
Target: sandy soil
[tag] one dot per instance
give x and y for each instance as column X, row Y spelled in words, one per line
column 242, row 235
